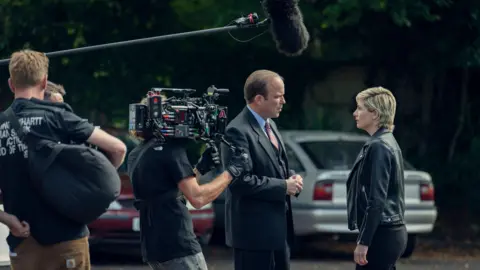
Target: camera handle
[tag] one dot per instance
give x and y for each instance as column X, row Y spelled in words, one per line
column 234, row 149
column 221, row 138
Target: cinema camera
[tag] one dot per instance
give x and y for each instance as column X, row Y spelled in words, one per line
column 196, row 118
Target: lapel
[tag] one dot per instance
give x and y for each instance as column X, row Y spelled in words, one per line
column 263, row 140
column 353, row 171
column 361, row 155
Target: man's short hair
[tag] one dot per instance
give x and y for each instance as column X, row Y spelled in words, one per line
column 382, row 101
column 256, row 84
column 55, row 88
column 27, row 68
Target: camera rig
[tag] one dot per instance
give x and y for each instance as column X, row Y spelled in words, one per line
column 198, row 118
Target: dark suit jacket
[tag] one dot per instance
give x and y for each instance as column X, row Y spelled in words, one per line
column 258, row 213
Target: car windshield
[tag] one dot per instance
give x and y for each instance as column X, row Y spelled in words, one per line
column 335, row 155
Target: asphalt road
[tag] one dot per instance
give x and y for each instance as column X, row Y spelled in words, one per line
column 219, row 258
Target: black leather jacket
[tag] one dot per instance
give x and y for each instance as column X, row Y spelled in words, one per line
column 375, row 187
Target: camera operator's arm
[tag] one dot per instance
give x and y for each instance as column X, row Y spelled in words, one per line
column 200, row 195
column 258, row 187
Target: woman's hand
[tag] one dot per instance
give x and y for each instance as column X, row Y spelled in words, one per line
column 360, row 254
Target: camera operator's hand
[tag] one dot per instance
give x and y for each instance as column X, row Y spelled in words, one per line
column 210, row 159
column 239, row 162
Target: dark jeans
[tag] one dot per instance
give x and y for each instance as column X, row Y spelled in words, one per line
column 388, row 244
column 262, row 260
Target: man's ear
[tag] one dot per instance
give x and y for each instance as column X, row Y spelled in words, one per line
column 44, row 82
column 12, row 88
column 258, row 99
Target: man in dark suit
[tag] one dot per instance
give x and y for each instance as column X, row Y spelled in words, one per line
column 258, row 222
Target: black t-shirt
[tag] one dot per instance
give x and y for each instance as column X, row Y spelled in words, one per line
column 20, row 198
column 166, row 224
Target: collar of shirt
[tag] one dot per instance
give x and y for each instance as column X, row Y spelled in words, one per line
column 259, row 119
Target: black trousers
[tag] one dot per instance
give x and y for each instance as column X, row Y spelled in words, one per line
column 262, row 260
column 388, row 244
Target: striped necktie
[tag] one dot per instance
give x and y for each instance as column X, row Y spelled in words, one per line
column 270, row 135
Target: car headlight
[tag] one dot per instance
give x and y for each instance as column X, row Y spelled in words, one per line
column 115, row 206
column 190, row 206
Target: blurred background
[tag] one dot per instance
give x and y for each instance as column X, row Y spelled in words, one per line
column 425, row 51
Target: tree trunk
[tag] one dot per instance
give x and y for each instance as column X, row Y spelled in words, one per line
column 440, row 86
column 426, row 106
column 462, row 114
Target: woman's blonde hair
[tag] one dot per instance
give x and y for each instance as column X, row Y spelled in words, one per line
column 382, row 101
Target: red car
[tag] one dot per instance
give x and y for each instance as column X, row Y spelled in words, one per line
column 120, row 227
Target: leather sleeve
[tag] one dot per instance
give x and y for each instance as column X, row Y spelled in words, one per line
column 375, row 177
column 250, row 185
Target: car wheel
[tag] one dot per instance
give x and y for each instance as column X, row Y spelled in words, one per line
column 411, row 243
column 204, row 240
column 298, row 248
column 218, row 237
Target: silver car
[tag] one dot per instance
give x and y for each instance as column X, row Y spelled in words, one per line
column 324, row 160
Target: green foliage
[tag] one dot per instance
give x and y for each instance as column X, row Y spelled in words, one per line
column 344, row 30
column 345, row 13
column 407, row 38
column 458, row 183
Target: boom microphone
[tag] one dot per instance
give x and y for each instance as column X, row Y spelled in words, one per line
column 244, row 22
column 284, row 16
column 286, row 25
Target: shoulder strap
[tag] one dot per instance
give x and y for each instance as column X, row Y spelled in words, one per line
column 131, row 169
column 51, row 157
column 139, row 157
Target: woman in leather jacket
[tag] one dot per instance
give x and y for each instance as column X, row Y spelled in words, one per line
column 375, row 187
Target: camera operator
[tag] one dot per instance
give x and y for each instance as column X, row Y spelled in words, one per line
column 160, row 172
column 41, row 238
